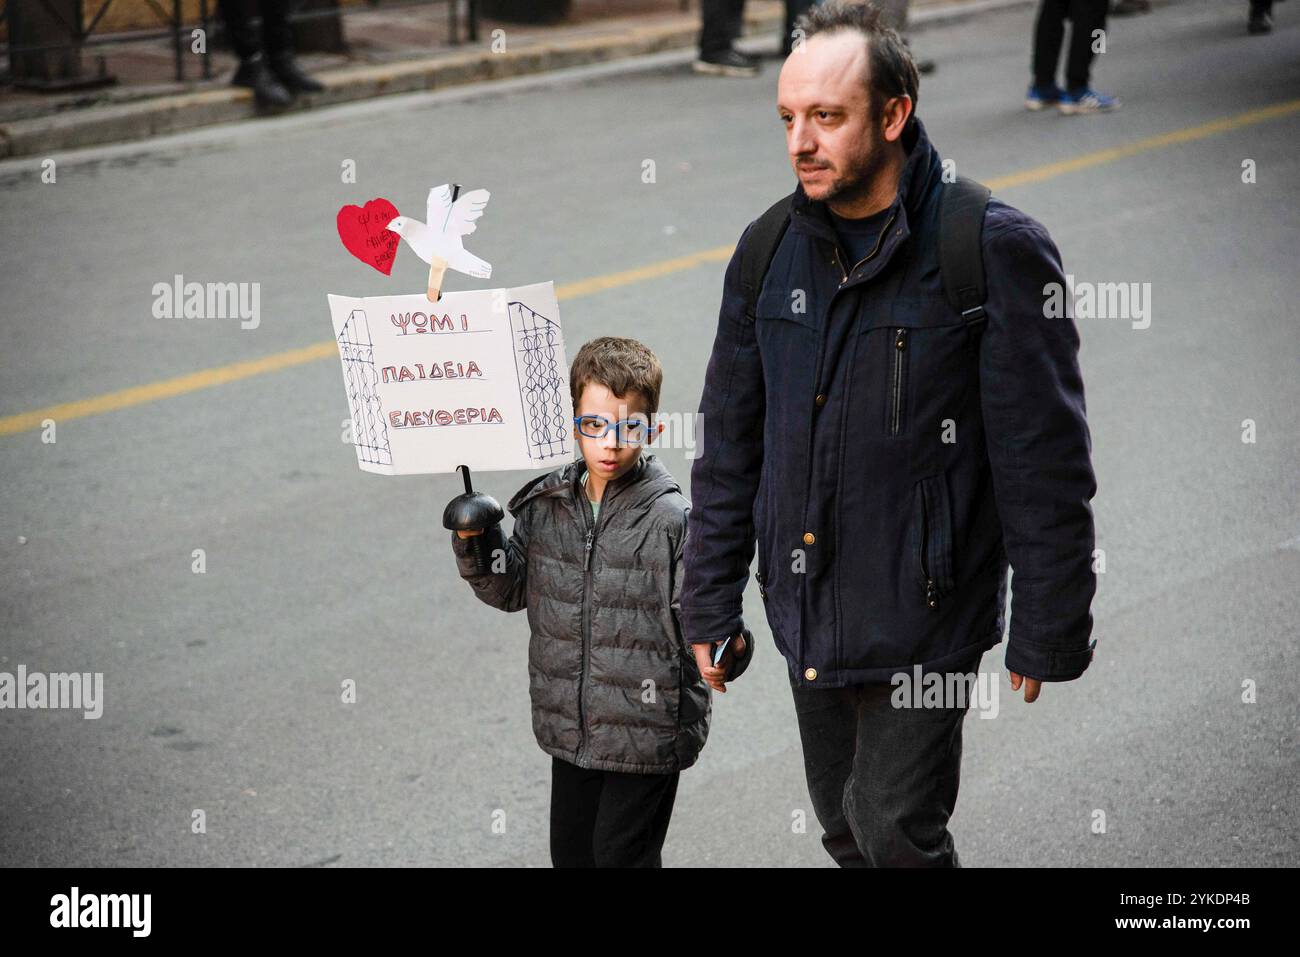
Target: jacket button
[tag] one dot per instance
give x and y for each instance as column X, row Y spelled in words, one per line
column 809, row 538
column 821, row 398
column 811, row 674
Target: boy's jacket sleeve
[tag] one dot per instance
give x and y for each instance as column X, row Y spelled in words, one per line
column 724, row 478
column 1031, row 395
column 506, row 589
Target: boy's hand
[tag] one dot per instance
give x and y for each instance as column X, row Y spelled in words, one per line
column 468, row 533
column 715, row 675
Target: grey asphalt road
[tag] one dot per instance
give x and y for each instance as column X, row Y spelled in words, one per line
column 222, row 689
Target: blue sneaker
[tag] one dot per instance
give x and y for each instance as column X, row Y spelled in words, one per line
column 1040, row 97
column 1087, row 101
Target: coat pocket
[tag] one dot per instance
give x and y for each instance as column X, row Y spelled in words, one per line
column 933, row 523
column 896, row 401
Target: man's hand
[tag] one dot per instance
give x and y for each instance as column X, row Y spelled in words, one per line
column 715, row 675
column 1032, row 686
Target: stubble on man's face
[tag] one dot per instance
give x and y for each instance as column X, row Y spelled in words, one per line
column 860, row 169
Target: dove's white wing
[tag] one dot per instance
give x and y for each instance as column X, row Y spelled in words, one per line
column 439, row 201
column 467, row 208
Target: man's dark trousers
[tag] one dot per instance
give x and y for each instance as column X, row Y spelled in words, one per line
column 1049, row 30
column 883, row 780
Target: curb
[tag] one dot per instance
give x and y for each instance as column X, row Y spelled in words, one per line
column 186, row 111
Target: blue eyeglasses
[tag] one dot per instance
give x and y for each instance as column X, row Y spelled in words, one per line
column 626, row 432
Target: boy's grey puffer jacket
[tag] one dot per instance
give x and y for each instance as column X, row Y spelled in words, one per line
column 614, row 685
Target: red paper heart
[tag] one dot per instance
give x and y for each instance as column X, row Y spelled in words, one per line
column 364, row 235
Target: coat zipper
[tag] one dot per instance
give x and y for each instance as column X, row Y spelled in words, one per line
column 931, row 592
column 896, row 382
column 875, row 249
column 836, row 247
column 586, row 624
column 586, row 608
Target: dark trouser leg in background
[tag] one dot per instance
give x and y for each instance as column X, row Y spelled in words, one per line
column 720, row 25
column 277, row 38
column 1085, row 17
column 256, row 68
column 575, row 799
column 237, row 16
column 633, row 818
column 1049, row 30
column 277, row 35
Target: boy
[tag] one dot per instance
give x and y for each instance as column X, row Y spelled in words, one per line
column 595, row 556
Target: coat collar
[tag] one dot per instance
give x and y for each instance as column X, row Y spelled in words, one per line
column 648, row 479
column 921, row 171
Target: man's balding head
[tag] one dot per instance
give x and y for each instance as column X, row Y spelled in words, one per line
column 845, row 95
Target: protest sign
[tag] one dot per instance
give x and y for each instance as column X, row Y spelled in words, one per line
column 477, row 378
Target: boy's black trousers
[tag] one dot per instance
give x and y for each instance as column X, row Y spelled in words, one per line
column 609, row 818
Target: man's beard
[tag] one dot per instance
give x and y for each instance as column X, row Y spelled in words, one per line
column 857, row 183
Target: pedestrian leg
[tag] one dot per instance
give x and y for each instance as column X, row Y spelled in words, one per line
column 632, row 820
column 720, row 25
column 1086, row 17
column 1049, row 30
column 575, row 798
column 828, row 733
column 906, row 770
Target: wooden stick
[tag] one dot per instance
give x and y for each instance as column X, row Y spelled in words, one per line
column 436, row 270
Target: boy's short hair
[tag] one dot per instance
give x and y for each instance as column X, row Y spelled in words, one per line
column 621, row 366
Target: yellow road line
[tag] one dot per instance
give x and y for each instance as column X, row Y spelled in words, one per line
column 205, row 378
column 1186, row 135
column 167, row 388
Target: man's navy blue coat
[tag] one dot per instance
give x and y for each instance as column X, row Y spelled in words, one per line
column 891, row 457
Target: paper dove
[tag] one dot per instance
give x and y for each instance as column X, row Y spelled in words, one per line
column 438, row 242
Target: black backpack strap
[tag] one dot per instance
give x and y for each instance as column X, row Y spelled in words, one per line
column 759, row 249
column 961, row 257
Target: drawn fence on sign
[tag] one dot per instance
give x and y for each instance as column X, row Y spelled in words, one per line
column 537, row 365
column 370, row 431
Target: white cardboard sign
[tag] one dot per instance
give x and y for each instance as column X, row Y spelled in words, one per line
column 478, row 378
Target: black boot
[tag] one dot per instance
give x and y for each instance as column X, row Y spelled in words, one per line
column 288, row 72
column 1261, row 19
column 268, row 92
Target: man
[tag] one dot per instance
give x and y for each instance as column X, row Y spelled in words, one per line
column 889, row 453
